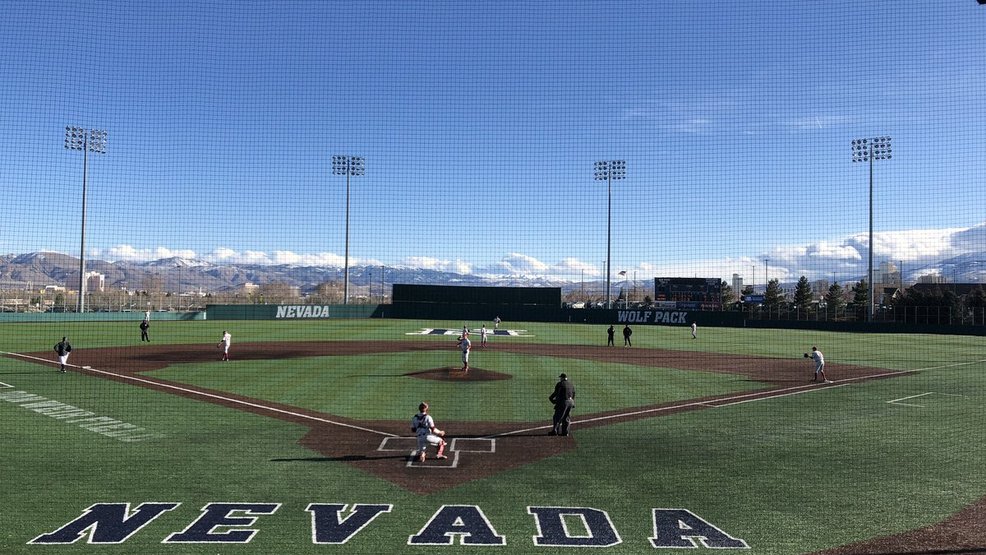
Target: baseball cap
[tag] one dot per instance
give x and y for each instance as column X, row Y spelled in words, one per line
column 562, row 376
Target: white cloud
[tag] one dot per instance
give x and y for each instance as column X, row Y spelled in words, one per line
column 521, row 264
column 222, row 254
column 972, row 239
column 575, row 267
column 828, row 251
column 132, row 254
column 841, row 259
column 429, row 263
column 920, row 244
column 317, row 259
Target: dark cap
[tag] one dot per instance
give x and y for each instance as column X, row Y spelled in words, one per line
column 563, row 376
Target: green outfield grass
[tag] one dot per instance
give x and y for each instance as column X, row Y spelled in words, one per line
column 790, row 474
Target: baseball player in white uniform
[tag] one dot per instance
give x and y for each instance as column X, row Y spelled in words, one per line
column 483, row 332
column 465, row 345
column 819, row 359
column 423, row 426
column 224, row 344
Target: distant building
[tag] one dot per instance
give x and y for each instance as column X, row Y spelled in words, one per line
column 888, row 275
column 95, row 281
column 931, row 278
column 820, row 288
column 887, row 279
column 737, row 284
column 248, row 288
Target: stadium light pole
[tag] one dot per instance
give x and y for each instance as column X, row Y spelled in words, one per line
column 349, row 166
column 178, row 264
column 608, row 170
column 86, row 140
column 871, row 150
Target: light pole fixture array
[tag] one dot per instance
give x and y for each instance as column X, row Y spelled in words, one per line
column 349, row 166
column 608, row 170
column 86, row 140
column 871, row 150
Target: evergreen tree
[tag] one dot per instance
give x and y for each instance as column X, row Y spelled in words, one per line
column 861, row 299
column 861, row 293
column 773, row 297
column 835, row 298
column 803, row 294
column 726, row 294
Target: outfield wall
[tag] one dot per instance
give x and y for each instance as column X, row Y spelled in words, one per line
column 290, row 311
column 477, row 314
column 546, row 297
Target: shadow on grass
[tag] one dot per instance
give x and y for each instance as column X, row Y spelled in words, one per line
column 344, row 458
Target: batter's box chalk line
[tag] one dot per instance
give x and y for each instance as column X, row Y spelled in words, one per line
column 456, row 447
column 475, row 444
column 900, row 402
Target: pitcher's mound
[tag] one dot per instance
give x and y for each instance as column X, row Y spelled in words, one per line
column 455, row 374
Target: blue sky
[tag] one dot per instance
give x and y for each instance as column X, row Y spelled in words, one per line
column 480, row 122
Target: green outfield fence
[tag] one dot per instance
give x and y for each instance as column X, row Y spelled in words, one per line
column 918, row 320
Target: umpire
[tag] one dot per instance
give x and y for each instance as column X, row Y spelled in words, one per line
column 564, row 400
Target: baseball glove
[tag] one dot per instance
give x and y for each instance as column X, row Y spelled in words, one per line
column 806, row 355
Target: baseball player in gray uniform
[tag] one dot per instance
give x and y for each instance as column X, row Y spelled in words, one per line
column 63, row 348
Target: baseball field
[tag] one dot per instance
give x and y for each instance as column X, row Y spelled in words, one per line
column 301, row 442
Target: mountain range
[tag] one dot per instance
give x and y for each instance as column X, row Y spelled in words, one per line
column 39, row 269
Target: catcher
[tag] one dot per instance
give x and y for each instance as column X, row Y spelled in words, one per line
column 423, row 425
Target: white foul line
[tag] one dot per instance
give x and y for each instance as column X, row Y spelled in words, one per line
column 728, row 401
column 911, row 397
column 213, row 396
column 724, row 402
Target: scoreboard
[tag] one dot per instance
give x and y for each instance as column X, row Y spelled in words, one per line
column 690, row 293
